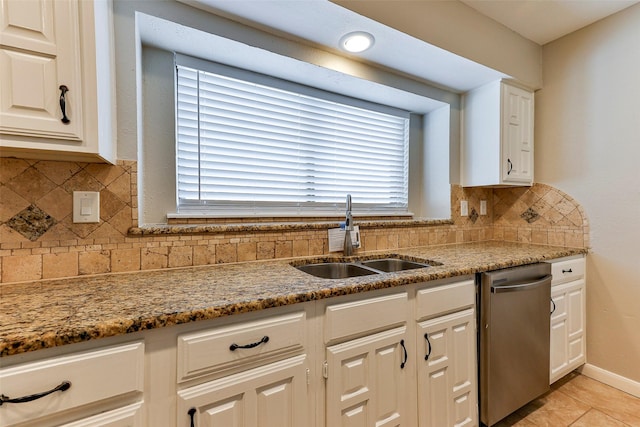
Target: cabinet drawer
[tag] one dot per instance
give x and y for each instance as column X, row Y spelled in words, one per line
column 566, row 271
column 365, row 316
column 223, row 348
column 127, row 416
column 446, row 298
column 94, row 376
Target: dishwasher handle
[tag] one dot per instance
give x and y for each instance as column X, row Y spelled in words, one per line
column 520, row 286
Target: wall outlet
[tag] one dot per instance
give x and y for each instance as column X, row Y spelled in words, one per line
column 464, row 208
column 483, row 207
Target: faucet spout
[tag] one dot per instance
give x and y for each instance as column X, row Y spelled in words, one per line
column 348, row 228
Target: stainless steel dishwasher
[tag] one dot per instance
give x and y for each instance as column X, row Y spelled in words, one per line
column 513, row 335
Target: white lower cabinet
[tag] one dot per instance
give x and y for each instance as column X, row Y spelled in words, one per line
column 349, row 361
column 102, row 387
column 247, row 373
column 366, row 362
column 127, row 416
column 447, row 381
column 568, row 324
column 366, row 381
column 274, row 395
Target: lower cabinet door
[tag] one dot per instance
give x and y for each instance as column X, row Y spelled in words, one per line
column 274, row 395
column 559, row 351
column 366, row 381
column 447, row 382
column 567, row 328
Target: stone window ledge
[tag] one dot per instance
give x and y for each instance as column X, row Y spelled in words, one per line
column 163, row 229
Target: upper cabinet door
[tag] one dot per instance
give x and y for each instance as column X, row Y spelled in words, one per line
column 497, row 136
column 40, row 45
column 517, row 135
column 57, row 92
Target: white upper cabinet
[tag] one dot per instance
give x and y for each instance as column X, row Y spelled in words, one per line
column 497, row 136
column 56, row 92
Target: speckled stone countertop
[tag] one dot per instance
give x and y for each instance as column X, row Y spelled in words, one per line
column 51, row 313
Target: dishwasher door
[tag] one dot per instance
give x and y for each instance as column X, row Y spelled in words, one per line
column 514, row 339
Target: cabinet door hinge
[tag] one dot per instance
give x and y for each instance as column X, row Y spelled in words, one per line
column 325, row 369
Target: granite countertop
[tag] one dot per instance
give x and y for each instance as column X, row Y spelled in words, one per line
column 51, row 313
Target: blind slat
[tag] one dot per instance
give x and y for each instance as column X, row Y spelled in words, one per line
column 240, row 143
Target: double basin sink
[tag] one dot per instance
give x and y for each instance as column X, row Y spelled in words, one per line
column 346, row 269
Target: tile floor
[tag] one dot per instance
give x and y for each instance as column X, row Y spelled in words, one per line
column 578, row 401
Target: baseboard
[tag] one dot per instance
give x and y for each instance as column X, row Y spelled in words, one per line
column 614, row 380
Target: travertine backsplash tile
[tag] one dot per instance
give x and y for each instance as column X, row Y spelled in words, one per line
column 540, row 214
column 59, row 248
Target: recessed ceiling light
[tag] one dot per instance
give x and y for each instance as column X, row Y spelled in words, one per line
column 356, row 42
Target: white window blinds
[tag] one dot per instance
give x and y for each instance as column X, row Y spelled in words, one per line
column 247, row 146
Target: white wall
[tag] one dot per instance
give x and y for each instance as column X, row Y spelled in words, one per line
column 588, row 145
column 145, row 84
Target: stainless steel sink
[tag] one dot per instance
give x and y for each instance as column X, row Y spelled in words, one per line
column 348, row 268
column 336, row 270
column 391, row 265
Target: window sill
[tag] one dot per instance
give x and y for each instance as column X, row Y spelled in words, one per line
column 163, row 229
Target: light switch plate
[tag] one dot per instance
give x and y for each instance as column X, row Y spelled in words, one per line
column 464, row 208
column 86, row 206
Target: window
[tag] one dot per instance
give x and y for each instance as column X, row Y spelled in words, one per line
column 254, row 145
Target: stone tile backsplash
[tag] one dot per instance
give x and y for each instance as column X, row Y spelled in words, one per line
column 38, row 239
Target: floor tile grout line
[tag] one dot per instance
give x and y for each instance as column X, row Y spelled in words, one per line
column 603, row 409
column 580, row 417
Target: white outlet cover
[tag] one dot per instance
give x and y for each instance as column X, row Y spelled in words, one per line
column 483, row 207
column 86, row 207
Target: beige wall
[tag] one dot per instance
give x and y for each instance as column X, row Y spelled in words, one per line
column 588, row 145
column 458, row 28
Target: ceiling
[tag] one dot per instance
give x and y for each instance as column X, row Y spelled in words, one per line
column 321, row 23
column 543, row 21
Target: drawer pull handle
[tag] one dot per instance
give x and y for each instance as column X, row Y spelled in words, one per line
column 264, row 340
column 567, row 271
column 63, row 104
column 192, row 413
column 406, row 355
column 426, row 337
column 65, row 385
column 554, row 306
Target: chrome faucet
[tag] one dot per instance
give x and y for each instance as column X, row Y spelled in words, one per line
column 348, row 228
